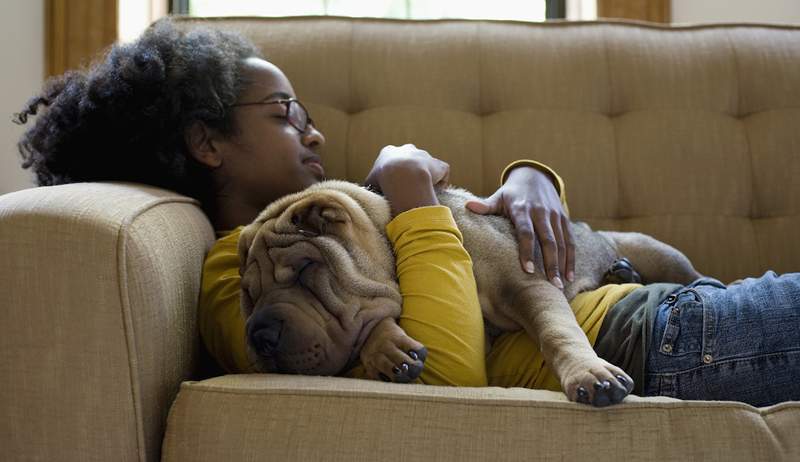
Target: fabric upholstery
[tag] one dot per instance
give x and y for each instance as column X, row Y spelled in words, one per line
column 98, row 318
column 279, row 417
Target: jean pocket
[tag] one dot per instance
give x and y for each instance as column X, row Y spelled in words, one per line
column 683, row 331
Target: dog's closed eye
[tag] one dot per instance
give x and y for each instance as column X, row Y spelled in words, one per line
column 297, row 220
column 304, row 265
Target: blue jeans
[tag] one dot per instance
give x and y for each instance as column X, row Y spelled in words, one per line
column 737, row 343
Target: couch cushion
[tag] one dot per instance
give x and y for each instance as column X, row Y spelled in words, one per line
column 250, row 417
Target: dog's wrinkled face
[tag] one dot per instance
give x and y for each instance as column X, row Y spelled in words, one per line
column 317, row 274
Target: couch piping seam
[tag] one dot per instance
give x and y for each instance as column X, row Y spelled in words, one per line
column 550, row 23
column 567, row 406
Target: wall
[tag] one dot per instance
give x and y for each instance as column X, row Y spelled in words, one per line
column 22, row 55
column 767, row 11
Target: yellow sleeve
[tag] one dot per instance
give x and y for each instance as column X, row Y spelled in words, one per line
column 440, row 297
column 557, row 181
column 220, row 321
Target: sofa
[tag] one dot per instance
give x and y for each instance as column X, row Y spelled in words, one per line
column 687, row 133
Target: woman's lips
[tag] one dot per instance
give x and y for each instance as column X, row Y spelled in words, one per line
column 316, row 167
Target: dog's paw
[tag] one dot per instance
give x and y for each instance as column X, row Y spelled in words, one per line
column 598, row 383
column 390, row 355
column 622, row 272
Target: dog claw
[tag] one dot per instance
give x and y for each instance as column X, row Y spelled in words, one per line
column 602, row 393
column 583, row 395
column 604, row 385
column 422, row 354
column 628, row 386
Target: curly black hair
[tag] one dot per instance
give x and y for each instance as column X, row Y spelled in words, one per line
column 124, row 118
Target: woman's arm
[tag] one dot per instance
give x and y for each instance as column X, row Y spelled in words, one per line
column 440, row 298
column 219, row 314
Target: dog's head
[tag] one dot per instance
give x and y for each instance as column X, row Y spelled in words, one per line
column 317, row 274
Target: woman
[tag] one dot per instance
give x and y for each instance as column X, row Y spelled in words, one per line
column 201, row 113
column 194, row 112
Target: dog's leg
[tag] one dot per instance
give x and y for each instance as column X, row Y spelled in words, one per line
column 585, row 377
column 389, row 354
column 654, row 260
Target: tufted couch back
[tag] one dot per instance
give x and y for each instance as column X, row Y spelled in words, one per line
column 690, row 134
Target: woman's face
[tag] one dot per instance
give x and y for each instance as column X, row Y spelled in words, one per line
column 267, row 157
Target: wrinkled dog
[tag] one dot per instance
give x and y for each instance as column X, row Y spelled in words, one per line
column 318, row 274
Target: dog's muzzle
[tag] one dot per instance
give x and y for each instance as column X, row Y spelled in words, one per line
column 264, row 333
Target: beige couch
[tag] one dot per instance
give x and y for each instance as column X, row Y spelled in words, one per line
column 690, row 134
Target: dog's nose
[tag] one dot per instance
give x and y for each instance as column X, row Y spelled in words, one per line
column 265, row 334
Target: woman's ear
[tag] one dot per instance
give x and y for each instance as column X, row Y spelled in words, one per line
column 200, row 139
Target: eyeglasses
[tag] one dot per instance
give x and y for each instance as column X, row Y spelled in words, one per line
column 296, row 114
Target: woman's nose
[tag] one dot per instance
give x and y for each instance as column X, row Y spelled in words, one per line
column 313, row 138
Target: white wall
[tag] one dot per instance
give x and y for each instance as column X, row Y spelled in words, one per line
column 22, row 55
column 763, row 11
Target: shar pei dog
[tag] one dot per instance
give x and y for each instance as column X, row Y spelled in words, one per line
column 318, row 274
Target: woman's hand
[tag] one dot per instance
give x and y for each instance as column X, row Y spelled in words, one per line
column 530, row 200
column 406, row 176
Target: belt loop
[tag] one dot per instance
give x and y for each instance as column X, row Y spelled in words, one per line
column 709, row 328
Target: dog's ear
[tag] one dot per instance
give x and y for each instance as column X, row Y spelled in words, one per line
column 316, row 215
column 249, row 269
column 245, row 241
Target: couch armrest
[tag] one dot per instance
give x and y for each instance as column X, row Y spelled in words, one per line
column 97, row 317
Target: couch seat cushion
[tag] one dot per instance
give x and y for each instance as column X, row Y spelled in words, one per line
column 249, row 417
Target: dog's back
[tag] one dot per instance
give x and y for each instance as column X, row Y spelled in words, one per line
column 492, row 243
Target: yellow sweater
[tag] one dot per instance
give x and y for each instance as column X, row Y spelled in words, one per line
column 440, row 306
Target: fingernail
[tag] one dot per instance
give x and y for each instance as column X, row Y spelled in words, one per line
column 404, row 367
column 396, row 370
column 571, row 276
column 384, row 378
column 622, row 380
column 413, row 355
column 529, row 267
column 557, row 282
